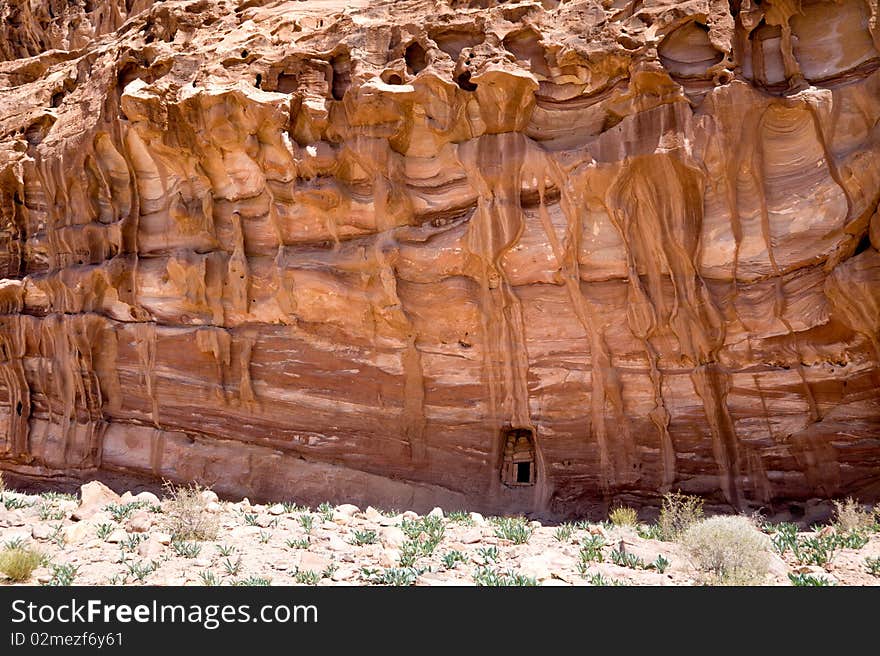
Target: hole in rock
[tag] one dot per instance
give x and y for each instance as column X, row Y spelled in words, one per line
column 341, row 76
column 526, row 46
column 863, row 245
column 287, row 83
column 18, row 407
column 244, row 54
column 416, row 58
column 259, row 80
column 687, row 51
column 391, row 78
column 453, row 41
column 464, row 81
column 518, row 467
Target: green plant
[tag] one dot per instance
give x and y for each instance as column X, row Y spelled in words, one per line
column 225, row 550
column 852, row 540
column 433, row 528
column 591, row 549
column 209, row 578
column 63, row 574
column 677, row 514
column 598, row 580
column 368, row 573
column 232, row 567
column 307, row 522
column 397, row 576
column 57, row 535
column 14, row 543
column 815, row 550
column 131, row 542
column 410, row 551
column 515, row 529
column 307, row 577
column 48, row 512
column 291, row 508
column 104, row 530
column 785, row 537
column 486, row 576
column 298, row 544
column 264, row 537
column 626, row 559
column 728, row 551
column 15, row 503
column 326, row 512
column 660, row 564
column 18, row 562
column 648, row 531
column 187, row 549
column 563, row 532
column 250, row 519
column 461, row 517
column 254, row 581
column 873, row 566
column 488, row 554
column 53, row 496
column 330, row 570
column 452, row 558
column 140, row 570
column 186, row 516
column 624, row 516
column 804, row 580
column 117, row 579
column 122, row 511
column 364, row 537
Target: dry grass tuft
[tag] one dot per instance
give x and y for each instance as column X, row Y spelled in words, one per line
column 850, row 516
column 18, row 563
column 186, row 516
column 678, row 513
column 624, row 516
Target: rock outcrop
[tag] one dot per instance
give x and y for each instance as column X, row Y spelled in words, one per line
column 510, row 256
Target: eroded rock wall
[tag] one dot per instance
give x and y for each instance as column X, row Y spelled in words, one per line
column 511, row 256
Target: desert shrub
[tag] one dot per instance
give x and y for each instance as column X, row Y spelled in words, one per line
column 18, row 562
column 728, row 550
column 850, row 516
column 678, row 513
column 186, row 517
column 623, row 516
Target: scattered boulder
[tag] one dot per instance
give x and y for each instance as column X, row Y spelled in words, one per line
column 312, row 562
column 93, row 497
column 392, row 537
column 139, row 522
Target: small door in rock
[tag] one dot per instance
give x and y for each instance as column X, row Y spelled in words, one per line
column 518, row 468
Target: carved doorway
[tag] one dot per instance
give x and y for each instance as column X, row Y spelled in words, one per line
column 518, row 466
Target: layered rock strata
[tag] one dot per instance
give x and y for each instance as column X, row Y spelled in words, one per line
column 510, row 256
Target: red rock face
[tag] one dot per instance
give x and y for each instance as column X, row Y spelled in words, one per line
column 528, row 257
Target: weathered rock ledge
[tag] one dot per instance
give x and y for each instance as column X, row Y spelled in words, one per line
column 530, row 256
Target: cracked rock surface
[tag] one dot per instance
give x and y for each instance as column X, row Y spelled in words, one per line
column 515, row 257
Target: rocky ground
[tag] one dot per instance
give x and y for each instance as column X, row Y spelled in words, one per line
column 100, row 538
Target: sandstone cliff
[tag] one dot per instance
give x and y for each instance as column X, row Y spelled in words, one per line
column 514, row 256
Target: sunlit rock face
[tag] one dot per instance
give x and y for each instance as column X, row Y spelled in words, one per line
column 515, row 257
